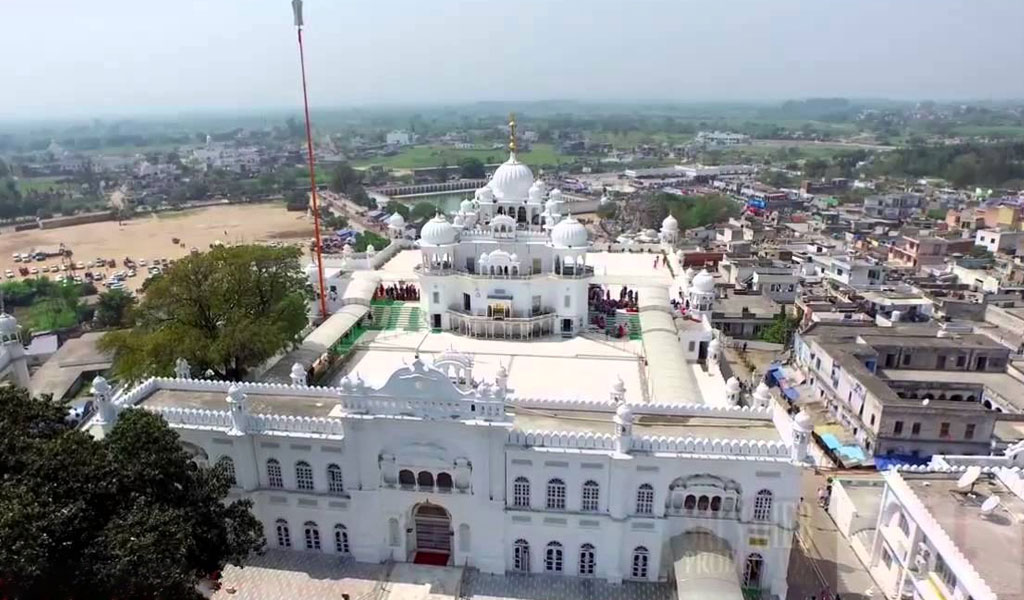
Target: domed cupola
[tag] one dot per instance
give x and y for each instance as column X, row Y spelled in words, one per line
column 512, row 180
column 396, row 221
column 466, row 206
column 537, row 192
column 437, row 232
column 569, row 233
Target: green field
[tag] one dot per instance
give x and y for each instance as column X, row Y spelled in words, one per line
column 435, row 156
column 42, row 184
column 1004, row 131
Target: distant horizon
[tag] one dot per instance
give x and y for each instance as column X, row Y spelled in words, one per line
column 169, row 114
column 107, row 58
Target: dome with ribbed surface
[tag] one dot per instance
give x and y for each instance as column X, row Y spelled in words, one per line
column 396, row 221
column 512, row 180
column 437, row 232
column 569, row 233
column 703, row 282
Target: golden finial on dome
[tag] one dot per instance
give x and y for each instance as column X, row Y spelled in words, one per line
column 512, row 132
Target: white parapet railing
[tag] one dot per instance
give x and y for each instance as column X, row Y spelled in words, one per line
column 687, row 445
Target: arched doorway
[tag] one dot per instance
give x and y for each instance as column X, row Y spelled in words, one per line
column 433, row 534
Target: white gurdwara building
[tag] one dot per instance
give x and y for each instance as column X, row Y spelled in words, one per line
column 436, row 464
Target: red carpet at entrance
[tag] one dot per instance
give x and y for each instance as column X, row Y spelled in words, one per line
column 437, row 559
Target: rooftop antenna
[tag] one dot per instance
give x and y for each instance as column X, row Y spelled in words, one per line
column 297, row 10
column 968, row 479
column 989, row 505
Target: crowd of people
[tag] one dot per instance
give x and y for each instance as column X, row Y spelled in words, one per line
column 397, row 291
column 603, row 306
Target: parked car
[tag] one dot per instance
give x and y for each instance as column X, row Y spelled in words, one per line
column 9, row 274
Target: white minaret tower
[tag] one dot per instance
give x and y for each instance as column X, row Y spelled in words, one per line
column 239, row 407
column 802, row 427
column 106, row 414
column 623, row 428
column 10, row 340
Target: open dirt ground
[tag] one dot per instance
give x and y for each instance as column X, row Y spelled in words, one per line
column 149, row 237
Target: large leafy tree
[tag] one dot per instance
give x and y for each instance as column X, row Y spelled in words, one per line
column 129, row 516
column 114, row 309
column 226, row 310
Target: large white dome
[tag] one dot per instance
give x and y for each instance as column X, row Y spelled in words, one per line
column 512, row 180
column 703, row 282
column 569, row 233
column 670, row 224
column 437, row 232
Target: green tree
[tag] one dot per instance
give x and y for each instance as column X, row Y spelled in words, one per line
column 397, row 207
column 132, row 516
column 114, row 309
column 471, row 168
column 937, row 214
column 226, row 310
column 367, row 238
column 343, row 178
column 781, row 330
column 423, row 211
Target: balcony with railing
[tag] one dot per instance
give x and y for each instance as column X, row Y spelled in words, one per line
column 502, row 323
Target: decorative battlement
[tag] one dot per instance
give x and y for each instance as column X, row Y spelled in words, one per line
column 688, row 445
column 215, row 419
column 653, row 408
column 490, row 410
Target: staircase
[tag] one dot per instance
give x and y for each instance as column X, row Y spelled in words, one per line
column 630, row 321
column 396, row 316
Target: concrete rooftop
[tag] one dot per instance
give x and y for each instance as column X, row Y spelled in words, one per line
column 992, row 544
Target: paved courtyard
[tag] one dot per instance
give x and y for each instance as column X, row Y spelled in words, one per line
column 478, row 586
column 285, row 575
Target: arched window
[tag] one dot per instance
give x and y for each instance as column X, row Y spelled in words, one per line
column 284, row 537
column 406, row 478
column 274, row 478
column 444, row 482
column 425, row 479
column 645, row 499
column 521, row 492
column 752, row 571
column 312, row 535
column 763, row 505
column 641, row 558
column 521, row 556
column 553, row 558
column 703, row 503
column 303, row 475
column 716, row 504
column 228, row 466
column 335, row 484
column 340, row 539
column 591, row 496
column 556, row 494
column 587, row 560
column 690, row 503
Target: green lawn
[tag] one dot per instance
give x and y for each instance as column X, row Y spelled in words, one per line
column 42, row 184
column 1008, row 131
column 434, row 156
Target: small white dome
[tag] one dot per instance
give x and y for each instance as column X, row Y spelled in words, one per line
column 670, row 224
column 370, row 249
column 604, row 199
column 732, row 386
column 762, row 393
column 437, row 232
column 458, row 221
column 466, row 206
column 703, row 283
column 556, row 195
column 569, row 233
column 619, row 387
column 803, row 421
column 512, row 180
column 396, row 221
column 484, row 194
column 346, row 250
column 100, row 385
column 503, row 221
column 537, row 191
column 8, row 325
column 298, row 370
column 714, row 347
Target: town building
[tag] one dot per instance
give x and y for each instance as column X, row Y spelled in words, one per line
column 926, row 251
column 910, row 389
column 996, row 241
column 894, row 206
column 716, row 139
column 398, row 138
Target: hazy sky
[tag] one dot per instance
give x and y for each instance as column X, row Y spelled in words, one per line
column 105, row 57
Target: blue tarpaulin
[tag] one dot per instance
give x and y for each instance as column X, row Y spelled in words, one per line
column 883, row 463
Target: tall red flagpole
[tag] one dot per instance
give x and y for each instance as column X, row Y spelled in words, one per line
column 297, row 9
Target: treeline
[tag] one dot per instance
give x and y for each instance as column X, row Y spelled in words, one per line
column 962, row 165
column 648, row 211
